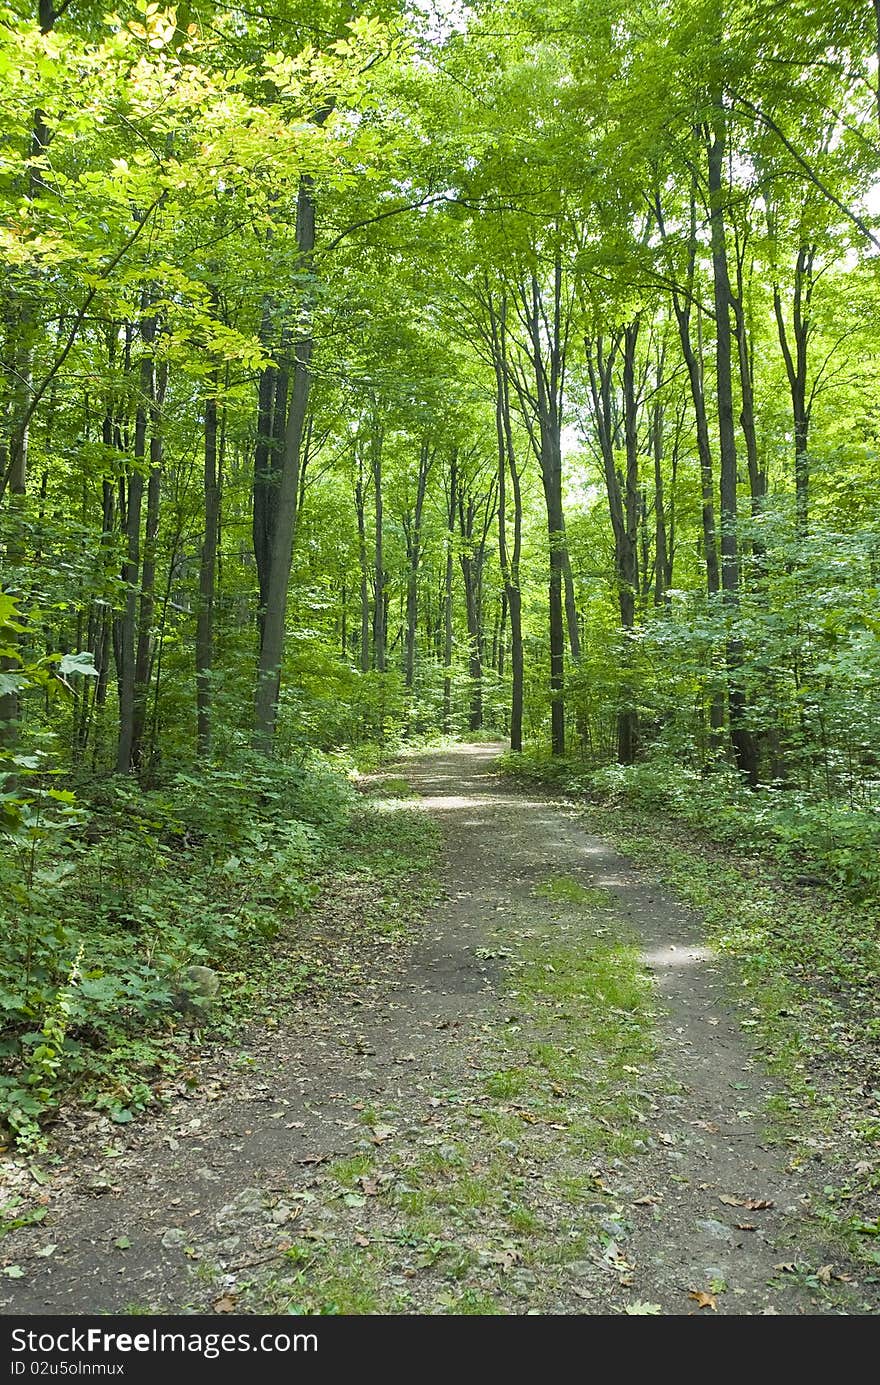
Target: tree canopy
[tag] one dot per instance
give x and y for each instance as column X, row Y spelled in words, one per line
column 385, row 371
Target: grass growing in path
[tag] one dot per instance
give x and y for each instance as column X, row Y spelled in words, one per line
column 808, row 963
column 494, row 1190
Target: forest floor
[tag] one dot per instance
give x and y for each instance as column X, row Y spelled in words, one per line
column 543, row 1102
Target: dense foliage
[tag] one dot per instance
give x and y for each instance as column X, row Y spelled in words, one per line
column 508, row 369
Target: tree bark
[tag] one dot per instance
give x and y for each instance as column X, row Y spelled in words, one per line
column 662, row 577
column 360, row 507
column 622, row 491
column 742, row 741
column 794, row 353
column 547, row 340
column 451, row 512
column 412, row 523
column 757, row 476
column 272, row 647
column 207, row 577
column 380, row 610
column 682, row 301
column 508, row 558
column 126, row 662
column 144, row 656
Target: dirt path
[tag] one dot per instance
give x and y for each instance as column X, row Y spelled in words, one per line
column 384, row 1151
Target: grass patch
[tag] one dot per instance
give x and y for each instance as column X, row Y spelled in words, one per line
column 563, row 889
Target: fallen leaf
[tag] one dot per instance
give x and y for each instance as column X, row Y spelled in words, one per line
column 313, row 1159
column 122, row 1243
column 824, row 1274
column 14, row 1272
column 648, row 1200
column 368, row 1185
column 751, row 1204
column 704, row 1300
column 361, row 1240
column 381, row 1133
column 506, row 1258
column 640, row 1309
column 745, row 1226
column 46, row 1251
column 226, row 1304
column 614, row 1257
column 787, row 1266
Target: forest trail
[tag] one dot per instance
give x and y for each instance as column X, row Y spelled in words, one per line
column 388, row 1151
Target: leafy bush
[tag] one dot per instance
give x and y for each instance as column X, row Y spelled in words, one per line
column 108, row 896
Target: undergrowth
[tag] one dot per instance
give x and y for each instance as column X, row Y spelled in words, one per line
column 107, row 896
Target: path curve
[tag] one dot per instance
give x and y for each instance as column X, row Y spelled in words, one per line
column 192, row 1205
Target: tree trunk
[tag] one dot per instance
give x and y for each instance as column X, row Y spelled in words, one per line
column 143, row 658
column 682, row 300
column 471, row 560
column 380, row 615
column 757, row 477
column 627, row 720
column 207, row 579
column 125, row 671
column 265, row 482
column 451, row 511
column 623, row 494
column 548, row 363
column 661, row 553
column 413, row 531
column 360, row 506
column 272, row 648
column 509, row 559
column 14, row 465
column 743, row 743
column 555, row 533
column 796, row 370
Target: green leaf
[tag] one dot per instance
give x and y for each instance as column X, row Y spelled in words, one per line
column 78, row 663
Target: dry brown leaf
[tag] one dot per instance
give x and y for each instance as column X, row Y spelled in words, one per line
column 751, row 1204
column 745, row 1226
column 381, row 1133
column 226, row 1304
column 648, row 1200
column 704, row 1300
column 361, row 1240
column 368, row 1185
column 824, row 1274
